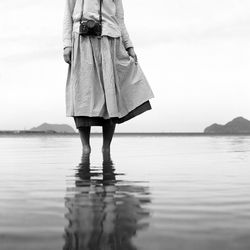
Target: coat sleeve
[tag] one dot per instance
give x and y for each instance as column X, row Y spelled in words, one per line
column 120, row 17
column 68, row 23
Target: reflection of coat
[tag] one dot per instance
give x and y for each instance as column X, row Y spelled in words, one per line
column 112, row 15
column 97, row 219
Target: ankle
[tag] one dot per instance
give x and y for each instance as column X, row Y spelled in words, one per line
column 86, row 148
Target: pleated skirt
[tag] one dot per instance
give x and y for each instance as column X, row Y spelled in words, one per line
column 104, row 85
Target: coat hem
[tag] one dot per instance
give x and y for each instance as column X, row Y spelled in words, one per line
column 120, row 115
column 83, row 121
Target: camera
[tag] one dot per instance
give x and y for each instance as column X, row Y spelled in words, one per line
column 90, row 28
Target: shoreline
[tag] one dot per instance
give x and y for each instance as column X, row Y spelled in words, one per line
column 53, row 133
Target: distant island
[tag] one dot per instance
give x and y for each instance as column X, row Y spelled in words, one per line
column 43, row 129
column 239, row 125
column 57, row 128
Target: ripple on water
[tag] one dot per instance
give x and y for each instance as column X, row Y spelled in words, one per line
column 185, row 194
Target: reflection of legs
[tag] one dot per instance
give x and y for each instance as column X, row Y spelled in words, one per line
column 106, row 157
column 84, row 135
column 108, row 130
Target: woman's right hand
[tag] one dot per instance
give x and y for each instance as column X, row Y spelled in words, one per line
column 67, row 54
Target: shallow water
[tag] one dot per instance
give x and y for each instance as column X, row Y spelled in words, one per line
column 155, row 192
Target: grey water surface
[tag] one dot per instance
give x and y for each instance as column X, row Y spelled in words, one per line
column 151, row 193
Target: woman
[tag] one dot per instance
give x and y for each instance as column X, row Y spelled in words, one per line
column 105, row 84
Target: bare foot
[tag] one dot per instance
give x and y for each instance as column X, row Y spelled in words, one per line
column 86, row 149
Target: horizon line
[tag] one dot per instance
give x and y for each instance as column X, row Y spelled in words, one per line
column 51, row 133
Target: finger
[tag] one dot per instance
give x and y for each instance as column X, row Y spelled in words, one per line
column 136, row 59
column 67, row 58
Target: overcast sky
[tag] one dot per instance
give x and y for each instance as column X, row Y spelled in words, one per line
column 195, row 54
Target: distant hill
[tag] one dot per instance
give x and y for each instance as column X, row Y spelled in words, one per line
column 58, row 128
column 238, row 125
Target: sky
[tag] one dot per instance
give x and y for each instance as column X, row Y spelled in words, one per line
column 194, row 53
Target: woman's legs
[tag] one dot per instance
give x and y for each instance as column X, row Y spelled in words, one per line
column 84, row 135
column 108, row 129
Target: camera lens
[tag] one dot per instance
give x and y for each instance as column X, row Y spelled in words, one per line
column 91, row 23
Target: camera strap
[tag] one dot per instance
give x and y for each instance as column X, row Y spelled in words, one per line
column 100, row 11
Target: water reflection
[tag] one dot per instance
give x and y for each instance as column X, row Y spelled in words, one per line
column 103, row 212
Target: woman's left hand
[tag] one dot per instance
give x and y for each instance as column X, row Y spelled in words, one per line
column 131, row 53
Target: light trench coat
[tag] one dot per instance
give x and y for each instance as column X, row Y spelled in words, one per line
column 103, row 80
